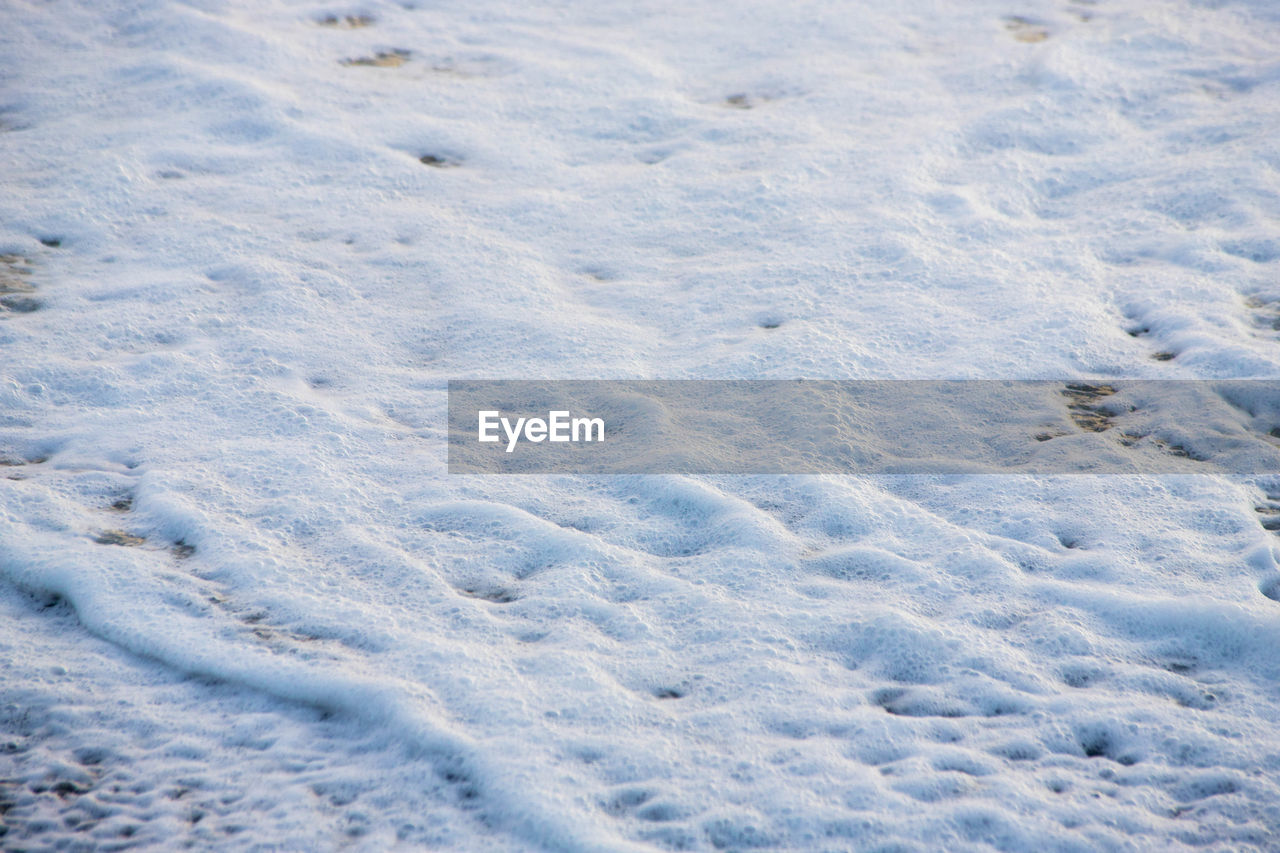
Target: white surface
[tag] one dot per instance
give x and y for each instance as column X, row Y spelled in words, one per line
column 260, row 292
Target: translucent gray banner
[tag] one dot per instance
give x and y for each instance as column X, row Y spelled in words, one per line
column 1122, row 426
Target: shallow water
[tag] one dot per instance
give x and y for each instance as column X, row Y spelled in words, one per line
column 246, row 605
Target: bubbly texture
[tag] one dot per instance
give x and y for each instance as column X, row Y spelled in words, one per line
column 243, row 246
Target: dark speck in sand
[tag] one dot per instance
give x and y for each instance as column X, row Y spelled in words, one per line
column 118, row 537
column 382, row 59
column 20, row 304
column 346, row 21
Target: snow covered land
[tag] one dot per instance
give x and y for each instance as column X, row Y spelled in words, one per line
column 244, row 246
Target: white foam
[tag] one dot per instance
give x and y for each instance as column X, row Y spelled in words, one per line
column 239, row 584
